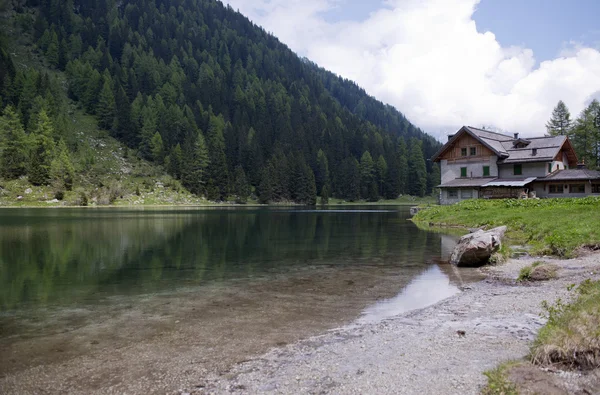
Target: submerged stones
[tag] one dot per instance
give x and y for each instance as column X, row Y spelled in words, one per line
column 475, row 249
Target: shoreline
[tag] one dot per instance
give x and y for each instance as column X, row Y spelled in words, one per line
column 402, row 354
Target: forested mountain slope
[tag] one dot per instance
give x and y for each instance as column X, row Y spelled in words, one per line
column 197, row 88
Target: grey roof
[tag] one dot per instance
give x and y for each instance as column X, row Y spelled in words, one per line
column 492, row 140
column 504, row 146
column 572, row 174
column 466, row 182
column 510, row 182
column 547, row 149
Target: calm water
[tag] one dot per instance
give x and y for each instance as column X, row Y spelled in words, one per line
column 214, row 286
column 66, row 256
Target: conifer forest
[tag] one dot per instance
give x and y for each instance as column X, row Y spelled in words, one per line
column 196, row 89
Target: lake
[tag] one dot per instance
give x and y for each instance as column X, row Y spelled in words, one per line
column 140, row 300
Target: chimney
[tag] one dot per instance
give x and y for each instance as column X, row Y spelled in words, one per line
column 516, row 136
column 450, row 137
column 581, row 165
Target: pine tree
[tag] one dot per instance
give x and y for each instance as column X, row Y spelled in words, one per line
column 13, row 146
column 175, row 166
column 367, row 174
column 43, row 149
column 265, row 188
column 402, row 157
column 381, row 172
column 217, row 168
column 52, row 53
column 106, row 104
column 195, row 165
column 586, row 135
column 241, row 189
column 560, row 123
column 417, row 171
column 325, row 193
column 157, row 148
column 62, row 171
column 322, row 172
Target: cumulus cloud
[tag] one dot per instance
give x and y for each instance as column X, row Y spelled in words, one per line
column 427, row 58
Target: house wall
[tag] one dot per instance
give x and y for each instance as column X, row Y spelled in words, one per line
column 445, row 199
column 542, row 189
column 537, row 169
column 451, row 169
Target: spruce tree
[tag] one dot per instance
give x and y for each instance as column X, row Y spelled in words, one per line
column 322, row 171
column 42, row 152
column 560, row 123
column 195, row 165
column 62, row 171
column 52, row 53
column 381, row 172
column 106, row 104
column 241, row 188
column 176, row 161
column 417, row 170
column 586, row 135
column 217, row 168
column 367, row 174
column 13, row 146
column 157, row 148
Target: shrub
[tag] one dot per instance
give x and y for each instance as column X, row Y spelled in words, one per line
column 59, row 195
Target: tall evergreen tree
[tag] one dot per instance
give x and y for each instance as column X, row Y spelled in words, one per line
column 157, row 148
column 42, row 151
column 106, row 104
column 381, row 173
column 217, row 168
column 194, row 168
column 367, row 175
column 560, row 123
column 241, row 188
column 586, row 135
column 62, row 171
column 322, row 171
column 417, row 171
column 13, row 146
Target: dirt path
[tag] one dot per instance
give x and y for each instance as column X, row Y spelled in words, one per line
column 418, row 352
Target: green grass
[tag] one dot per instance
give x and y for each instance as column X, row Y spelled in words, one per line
column 498, row 381
column 550, row 226
column 571, row 336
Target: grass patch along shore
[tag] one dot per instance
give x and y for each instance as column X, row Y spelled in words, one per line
column 549, row 226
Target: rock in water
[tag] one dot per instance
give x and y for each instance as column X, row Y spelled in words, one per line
column 476, row 248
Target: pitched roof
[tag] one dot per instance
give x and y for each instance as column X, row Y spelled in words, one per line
column 571, row 175
column 546, row 149
column 499, row 182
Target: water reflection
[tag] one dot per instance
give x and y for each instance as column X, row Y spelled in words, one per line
column 428, row 288
column 77, row 255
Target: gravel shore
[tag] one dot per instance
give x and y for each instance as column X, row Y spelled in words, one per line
column 419, row 351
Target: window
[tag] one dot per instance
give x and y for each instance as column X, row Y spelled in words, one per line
column 463, row 152
column 518, row 170
column 550, row 167
column 595, row 188
column 452, row 193
column 466, row 193
column 463, row 171
column 486, row 171
column 473, row 151
column 557, row 188
column 577, row 188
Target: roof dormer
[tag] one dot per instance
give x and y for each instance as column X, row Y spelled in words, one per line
column 521, row 143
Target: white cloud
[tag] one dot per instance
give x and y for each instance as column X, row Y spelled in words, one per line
column 427, row 58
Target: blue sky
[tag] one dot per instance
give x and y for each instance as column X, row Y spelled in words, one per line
column 545, row 26
column 448, row 63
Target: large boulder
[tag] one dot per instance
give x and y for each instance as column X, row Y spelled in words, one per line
column 475, row 249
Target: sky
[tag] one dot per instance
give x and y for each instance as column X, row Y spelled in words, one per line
column 447, row 63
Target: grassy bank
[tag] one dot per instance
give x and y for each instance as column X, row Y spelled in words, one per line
column 549, row 226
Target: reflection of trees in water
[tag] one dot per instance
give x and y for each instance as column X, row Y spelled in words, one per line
column 69, row 259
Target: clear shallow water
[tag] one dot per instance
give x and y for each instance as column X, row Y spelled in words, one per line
column 216, row 286
column 71, row 256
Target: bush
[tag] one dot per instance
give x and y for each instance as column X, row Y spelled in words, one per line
column 59, row 195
